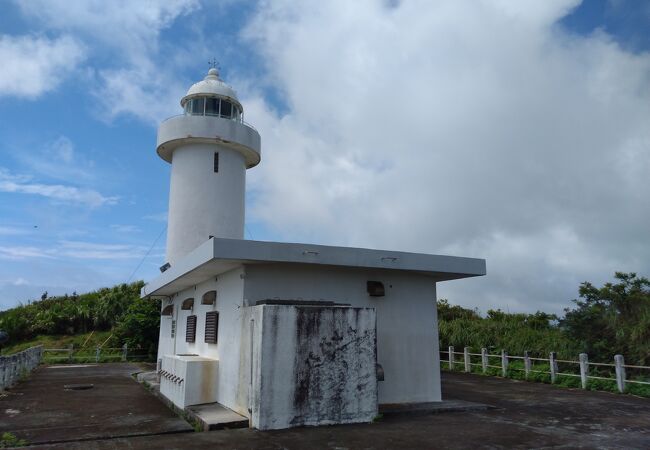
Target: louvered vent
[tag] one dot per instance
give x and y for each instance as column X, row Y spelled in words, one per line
column 211, row 327
column 190, row 329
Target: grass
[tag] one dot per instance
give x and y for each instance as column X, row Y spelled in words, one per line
column 91, row 340
column 84, row 345
column 9, row 440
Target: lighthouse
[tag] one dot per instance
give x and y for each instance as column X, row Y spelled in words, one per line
column 280, row 334
column 210, row 147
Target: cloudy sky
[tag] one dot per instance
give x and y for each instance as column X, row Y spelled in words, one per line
column 513, row 131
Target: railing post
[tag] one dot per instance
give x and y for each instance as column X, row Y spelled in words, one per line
column 468, row 365
column 70, row 350
column 451, row 358
column 552, row 361
column 124, row 352
column 484, row 359
column 504, row 363
column 526, row 364
column 98, row 352
column 584, row 369
column 619, row 363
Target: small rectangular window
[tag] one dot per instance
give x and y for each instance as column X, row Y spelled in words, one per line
column 198, row 105
column 190, row 329
column 173, row 330
column 226, row 109
column 216, row 162
column 212, row 107
column 211, row 327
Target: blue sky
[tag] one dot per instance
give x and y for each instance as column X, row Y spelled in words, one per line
column 511, row 119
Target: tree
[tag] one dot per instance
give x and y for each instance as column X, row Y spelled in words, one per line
column 612, row 319
column 139, row 326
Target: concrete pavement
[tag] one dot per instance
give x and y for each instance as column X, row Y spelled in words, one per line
column 81, row 402
column 527, row 415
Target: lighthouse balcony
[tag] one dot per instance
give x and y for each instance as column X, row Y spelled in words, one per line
column 231, row 132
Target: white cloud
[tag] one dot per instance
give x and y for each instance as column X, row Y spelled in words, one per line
column 129, row 28
column 14, row 231
column 92, row 250
column 475, row 128
column 58, row 160
column 22, row 252
column 129, row 31
column 67, row 194
column 20, row 281
column 125, row 228
column 63, row 149
column 158, row 217
column 34, row 65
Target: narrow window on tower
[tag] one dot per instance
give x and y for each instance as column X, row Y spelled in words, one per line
column 216, row 162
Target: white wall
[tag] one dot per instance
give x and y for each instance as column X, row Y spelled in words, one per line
column 407, row 326
column 229, row 287
column 201, row 202
column 165, row 341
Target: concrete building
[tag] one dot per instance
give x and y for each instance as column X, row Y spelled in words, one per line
column 285, row 334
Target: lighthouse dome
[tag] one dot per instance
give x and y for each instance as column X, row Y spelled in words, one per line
column 210, row 86
column 212, row 97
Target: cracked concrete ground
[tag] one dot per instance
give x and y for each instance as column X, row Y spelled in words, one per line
column 527, row 415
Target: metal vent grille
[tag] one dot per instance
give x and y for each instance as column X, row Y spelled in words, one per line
column 211, row 327
column 190, row 329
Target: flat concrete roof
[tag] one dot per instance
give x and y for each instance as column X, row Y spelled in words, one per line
column 217, row 256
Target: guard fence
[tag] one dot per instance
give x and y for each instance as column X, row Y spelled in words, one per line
column 19, row 365
column 553, row 366
column 97, row 354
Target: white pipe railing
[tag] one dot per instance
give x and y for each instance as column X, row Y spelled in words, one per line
column 528, row 362
column 100, row 353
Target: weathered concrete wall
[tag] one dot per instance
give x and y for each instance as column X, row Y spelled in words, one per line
column 12, row 367
column 313, row 366
column 407, row 325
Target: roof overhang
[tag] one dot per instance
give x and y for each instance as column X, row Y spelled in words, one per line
column 217, row 256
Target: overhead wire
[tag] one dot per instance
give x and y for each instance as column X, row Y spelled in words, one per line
column 147, row 254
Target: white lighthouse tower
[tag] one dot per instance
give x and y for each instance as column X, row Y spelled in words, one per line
column 280, row 334
column 209, row 147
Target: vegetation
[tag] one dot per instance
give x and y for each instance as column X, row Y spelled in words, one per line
column 109, row 316
column 613, row 319
column 537, row 333
column 9, row 440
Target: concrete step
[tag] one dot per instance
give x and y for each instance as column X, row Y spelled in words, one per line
column 215, row 416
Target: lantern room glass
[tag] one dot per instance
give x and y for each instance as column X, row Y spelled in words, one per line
column 213, row 106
